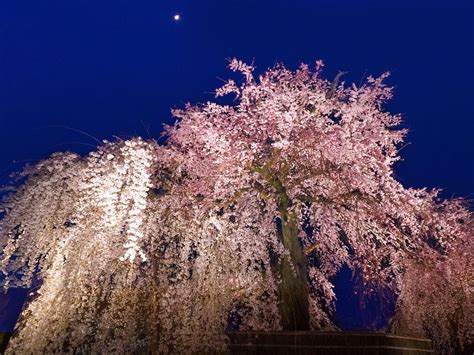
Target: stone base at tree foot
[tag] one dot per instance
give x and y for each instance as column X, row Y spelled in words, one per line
column 327, row 343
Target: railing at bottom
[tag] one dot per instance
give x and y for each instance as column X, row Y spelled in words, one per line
column 327, row 343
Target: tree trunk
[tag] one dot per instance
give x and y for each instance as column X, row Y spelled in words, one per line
column 293, row 290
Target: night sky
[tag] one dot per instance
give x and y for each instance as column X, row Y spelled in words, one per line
column 116, row 68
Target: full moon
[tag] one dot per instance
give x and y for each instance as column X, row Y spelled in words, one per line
column 176, row 17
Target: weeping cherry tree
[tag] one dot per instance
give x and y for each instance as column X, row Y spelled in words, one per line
column 246, row 212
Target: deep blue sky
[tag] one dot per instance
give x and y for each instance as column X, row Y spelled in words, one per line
column 117, row 67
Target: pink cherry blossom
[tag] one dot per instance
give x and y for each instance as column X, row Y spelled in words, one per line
column 140, row 246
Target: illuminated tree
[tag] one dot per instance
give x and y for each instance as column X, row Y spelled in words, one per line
column 247, row 210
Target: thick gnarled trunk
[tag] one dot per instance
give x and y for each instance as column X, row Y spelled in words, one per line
column 293, row 289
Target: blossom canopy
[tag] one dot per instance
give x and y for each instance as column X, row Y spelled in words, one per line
column 247, row 209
